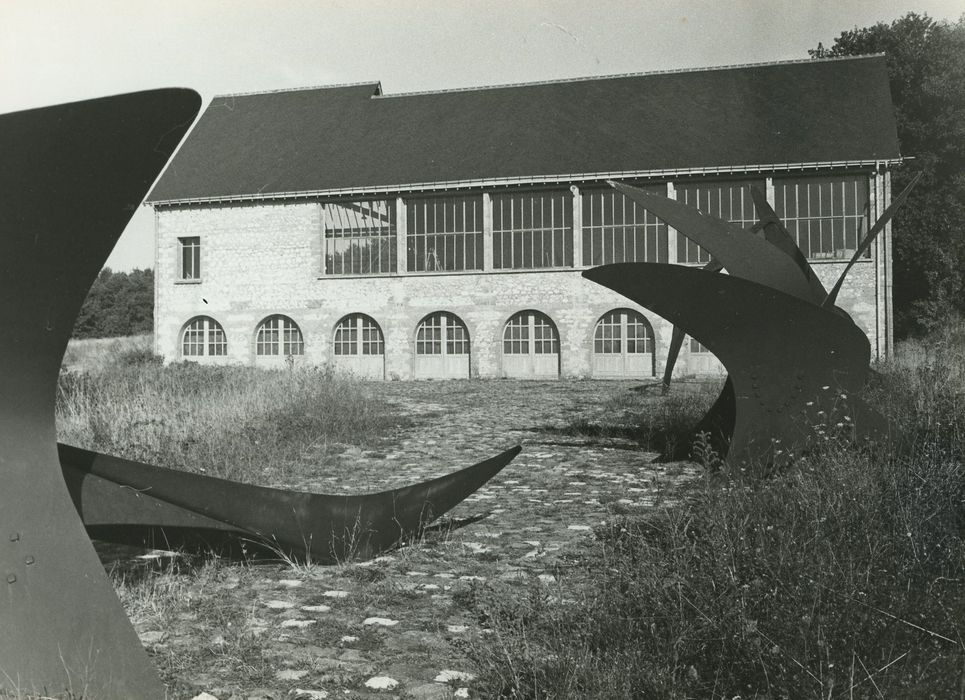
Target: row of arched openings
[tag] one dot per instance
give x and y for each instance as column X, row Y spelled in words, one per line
column 623, row 344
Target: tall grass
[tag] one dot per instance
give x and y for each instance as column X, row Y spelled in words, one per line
column 242, row 423
column 840, row 576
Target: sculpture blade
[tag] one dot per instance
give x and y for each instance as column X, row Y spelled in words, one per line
column 869, row 238
column 741, row 252
column 71, row 177
column 123, row 500
column 777, row 235
column 780, row 351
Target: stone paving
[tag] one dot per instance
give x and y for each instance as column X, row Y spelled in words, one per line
column 394, row 628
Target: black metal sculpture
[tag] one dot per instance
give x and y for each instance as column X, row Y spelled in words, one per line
column 71, row 177
column 788, row 349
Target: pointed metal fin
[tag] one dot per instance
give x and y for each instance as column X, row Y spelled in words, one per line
column 872, row 234
column 71, row 177
column 120, row 499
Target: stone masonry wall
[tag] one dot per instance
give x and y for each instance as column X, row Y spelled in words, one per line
column 264, row 259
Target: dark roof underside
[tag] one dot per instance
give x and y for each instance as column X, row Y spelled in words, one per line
column 345, row 137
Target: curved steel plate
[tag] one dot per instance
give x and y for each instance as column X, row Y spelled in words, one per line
column 780, row 351
column 742, row 253
column 124, row 500
column 71, row 176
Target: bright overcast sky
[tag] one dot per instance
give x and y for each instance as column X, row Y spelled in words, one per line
column 55, row 51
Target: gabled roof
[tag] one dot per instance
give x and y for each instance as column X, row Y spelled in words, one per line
column 346, row 138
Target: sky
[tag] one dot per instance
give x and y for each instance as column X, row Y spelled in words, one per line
column 54, row 51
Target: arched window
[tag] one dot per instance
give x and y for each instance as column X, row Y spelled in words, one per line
column 358, row 347
column 202, row 337
column 531, row 346
column 279, row 335
column 623, row 345
column 441, row 347
column 358, row 334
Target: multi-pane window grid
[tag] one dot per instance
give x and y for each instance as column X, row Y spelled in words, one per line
column 204, row 336
column 697, row 347
column 444, row 234
column 617, row 229
column 826, row 216
column 442, row 330
column 350, row 329
column 360, row 237
column 532, row 230
column 730, row 201
column 614, row 326
column 530, row 332
column 279, row 335
column 190, row 257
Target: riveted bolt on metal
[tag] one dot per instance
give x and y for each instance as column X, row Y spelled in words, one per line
column 11, row 578
column 29, row 560
column 14, row 536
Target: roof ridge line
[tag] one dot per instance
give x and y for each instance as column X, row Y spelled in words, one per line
column 641, row 74
column 330, row 86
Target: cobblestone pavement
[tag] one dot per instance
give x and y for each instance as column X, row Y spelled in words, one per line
column 395, row 628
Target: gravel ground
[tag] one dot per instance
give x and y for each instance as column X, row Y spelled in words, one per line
column 394, row 627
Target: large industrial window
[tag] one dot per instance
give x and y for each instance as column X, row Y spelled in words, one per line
column 532, row 230
column 444, row 234
column 358, row 334
column 203, row 336
column 279, row 335
column 826, row 215
column 190, row 249
column 360, row 237
column 616, row 229
column 730, row 201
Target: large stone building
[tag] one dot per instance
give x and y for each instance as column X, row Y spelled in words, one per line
column 443, row 234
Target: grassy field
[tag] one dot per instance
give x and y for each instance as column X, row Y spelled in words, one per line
column 841, row 576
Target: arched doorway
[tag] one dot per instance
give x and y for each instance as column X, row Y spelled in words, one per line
column 277, row 339
column 202, row 336
column 623, row 346
column 441, row 347
column 358, row 347
column 531, row 347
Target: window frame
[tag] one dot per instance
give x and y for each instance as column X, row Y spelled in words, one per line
column 211, row 335
column 599, row 224
column 439, row 223
column 189, row 246
column 359, row 328
column 530, row 332
column 351, row 215
column 512, row 234
column 858, row 219
column 442, row 333
column 281, row 331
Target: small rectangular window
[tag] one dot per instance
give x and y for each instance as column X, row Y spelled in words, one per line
column 190, row 258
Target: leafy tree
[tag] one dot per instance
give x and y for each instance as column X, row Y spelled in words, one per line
column 118, row 303
column 926, row 68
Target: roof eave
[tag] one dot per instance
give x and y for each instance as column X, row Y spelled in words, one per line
column 531, row 180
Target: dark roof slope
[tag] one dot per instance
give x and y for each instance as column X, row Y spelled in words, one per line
column 352, row 137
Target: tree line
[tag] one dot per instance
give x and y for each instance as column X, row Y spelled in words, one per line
column 926, row 70
column 118, row 304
